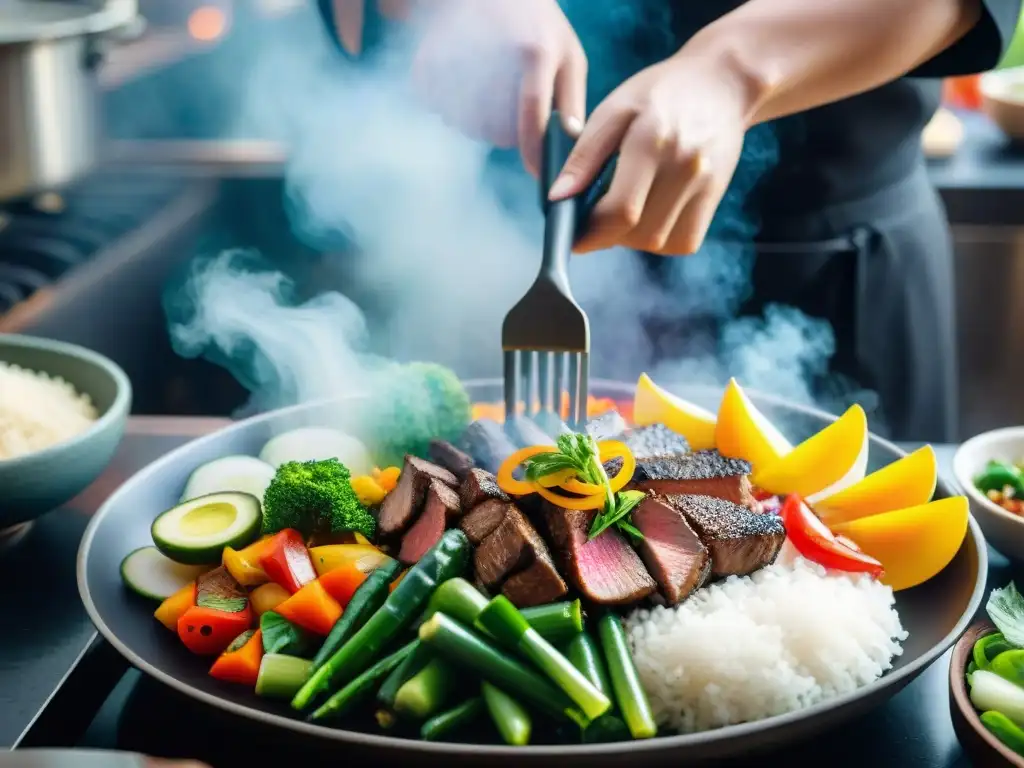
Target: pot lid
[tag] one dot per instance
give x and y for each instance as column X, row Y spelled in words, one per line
column 24, row 21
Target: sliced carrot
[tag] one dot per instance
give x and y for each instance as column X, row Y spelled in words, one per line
column 240, row 663
column 342, row 582
column 267, row 597
column 311, row 608
column 507, row 482
column 174, row 607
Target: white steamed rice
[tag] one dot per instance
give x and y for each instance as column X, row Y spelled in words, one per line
column 787, row 637
column 38, row 410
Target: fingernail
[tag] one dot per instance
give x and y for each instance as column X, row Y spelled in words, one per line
column 573, row 125
column 562, row 186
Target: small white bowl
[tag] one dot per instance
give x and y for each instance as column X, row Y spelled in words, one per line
column 1003, row 530
column 1002, row 99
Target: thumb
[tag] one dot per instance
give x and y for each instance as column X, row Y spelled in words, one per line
column 348, row 21
column 601, row 137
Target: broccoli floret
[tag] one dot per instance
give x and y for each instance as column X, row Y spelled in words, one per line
column 412, row 405
column 314, row 497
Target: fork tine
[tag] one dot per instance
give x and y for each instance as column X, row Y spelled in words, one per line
column 511, row 383
column 584, row 387
column 558, row 385
column 527, row 357
column 544, row 380
column 574, row 373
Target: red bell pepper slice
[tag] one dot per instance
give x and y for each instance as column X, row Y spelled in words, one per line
column 209, row 631
column 816, row 542
column 286, row 561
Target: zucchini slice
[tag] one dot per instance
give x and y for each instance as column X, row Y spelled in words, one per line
column 196, row 531
column 150, row 573
column 245, row 474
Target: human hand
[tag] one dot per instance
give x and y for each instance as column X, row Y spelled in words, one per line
column 494, row 68
column 678, row 127
column 350, row 17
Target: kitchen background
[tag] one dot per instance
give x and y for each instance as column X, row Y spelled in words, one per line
column 193, row 163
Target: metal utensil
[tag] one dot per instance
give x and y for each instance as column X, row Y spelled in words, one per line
column 546, row 335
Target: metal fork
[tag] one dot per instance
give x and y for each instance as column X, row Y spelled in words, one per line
column 546, row 335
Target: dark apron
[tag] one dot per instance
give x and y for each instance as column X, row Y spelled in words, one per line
column 880, row 270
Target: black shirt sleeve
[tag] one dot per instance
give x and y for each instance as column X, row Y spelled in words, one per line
column 981, row 48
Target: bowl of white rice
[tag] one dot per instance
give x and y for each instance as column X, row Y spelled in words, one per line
column 63, row 410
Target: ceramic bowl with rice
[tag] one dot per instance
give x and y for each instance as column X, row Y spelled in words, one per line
column 63, row 410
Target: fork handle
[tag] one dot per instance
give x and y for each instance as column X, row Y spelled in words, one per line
column 562, row 215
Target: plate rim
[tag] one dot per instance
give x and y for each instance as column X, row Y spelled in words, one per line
column 659, row 743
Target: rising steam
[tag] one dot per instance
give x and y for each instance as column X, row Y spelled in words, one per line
column 446, row 239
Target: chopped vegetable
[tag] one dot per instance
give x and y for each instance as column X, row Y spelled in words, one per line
column 315, row 496
column 281, row 676
column 991, row 692
column 174, row 607
column 208, row 631
column 195, row 532
column 1009, row 665
column 455, row 718
column 586, row 656
column 283, row 637
column 363, row 555
column 240, row 662
column 815, row 542
column 445, row 560
column 397, row 581
column 244, row 564
column 364, row 603
column 150, row 573
column 998, row 475
column 218, row 589
column 311, row 608
column 267, row 597
column 1005, row 607
column 387, row 478
column 987, row 648
column 510, row 718
column 316, row 444
column 343, row 701
column 469, row 650
column 286, row 560
column 409, row 667
column 629, row 692
column 1004, row 729
column 504, row 622
column 457, row 598
column 245, row 474
column 368, row 491
column 425, row 693
column 342, row 583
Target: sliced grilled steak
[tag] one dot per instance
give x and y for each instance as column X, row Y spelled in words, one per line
column 446, row 455
column 540, row 583
column 705, row 473
column 401, row 505
column 484, row 518
column 605, row 569
column 512, row 546
column 740, row 541
column 525, row 432
column 674, row 555
column 606, row 426
column 487, row 443
column 440, row 508
column 654, row 440
column 479, row 486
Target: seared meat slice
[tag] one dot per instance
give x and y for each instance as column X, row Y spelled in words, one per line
column 440, row 508
column 484, row 518
column 673, row 553
column 605, row 569
column 525, row 432
column 512, row 546
column 487, row 443
column 740, row 541
column 478, row 486
column 654, row 440
column 540, row 583
column 401, row 505
column 706, row 473
column 446, row 455
column 609, row 425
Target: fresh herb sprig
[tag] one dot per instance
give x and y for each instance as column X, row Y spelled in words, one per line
column 579, row 453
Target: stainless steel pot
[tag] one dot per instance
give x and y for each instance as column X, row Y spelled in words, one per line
column 49, row 122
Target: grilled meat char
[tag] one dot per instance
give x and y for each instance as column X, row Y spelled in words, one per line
column 704, row 473
column 740, row 541
column 401, row 505
column 673, row 553
column 446, row 455
column 440, row 508
column 538, row 584
column 484, row 518
column 511, row 547
column 606, row 569
column 478, row 486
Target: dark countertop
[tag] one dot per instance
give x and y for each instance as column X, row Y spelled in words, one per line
column 913, row 729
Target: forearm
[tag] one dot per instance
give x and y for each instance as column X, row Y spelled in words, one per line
column 792, row 55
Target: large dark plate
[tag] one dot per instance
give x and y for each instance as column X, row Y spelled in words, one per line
column 934, row 614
